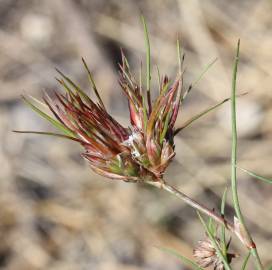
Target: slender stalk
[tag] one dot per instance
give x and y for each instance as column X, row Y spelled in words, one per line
column 194, row 204
column 203, row 209
column 223, row 234
column 246, row 261
column 246, row 237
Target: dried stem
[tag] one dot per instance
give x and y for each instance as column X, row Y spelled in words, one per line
column 203, row 209
column 196, row 205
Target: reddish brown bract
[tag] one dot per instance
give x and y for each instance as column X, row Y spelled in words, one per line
column 152, row 134
column 141, row 152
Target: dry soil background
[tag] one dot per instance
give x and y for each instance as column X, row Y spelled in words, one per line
column 55, row 213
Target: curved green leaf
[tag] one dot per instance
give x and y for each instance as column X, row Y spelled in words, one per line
column 259, row 177
column 245, row 261
column 184, row 259
column 47, row 117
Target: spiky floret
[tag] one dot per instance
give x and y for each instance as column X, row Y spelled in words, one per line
column 152, row 124
column 136, row 153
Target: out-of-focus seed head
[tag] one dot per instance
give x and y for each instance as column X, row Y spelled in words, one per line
column 205, row 255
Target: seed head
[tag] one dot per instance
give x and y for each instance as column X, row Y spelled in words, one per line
column 205, row 255
column 139, row 152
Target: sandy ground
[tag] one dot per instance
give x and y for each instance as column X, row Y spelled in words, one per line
column 54, row 212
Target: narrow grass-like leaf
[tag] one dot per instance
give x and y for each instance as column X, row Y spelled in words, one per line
column 47, row 117
column 124, row 59
column 66, row 87
column 159, row 77
column 184, row 259
column 38, row 101
column 145, row 118
column 210, row 223
column 165, row 127
column 127, row 75
column 259, row 177
column 200, row 76
column 245, row 261
column 148, row 63
column 165, row 87
column 203, row 72
column 223, row 202
column 199, row 115
column 141, row 79
column 180, row 58
column 223, row 234
column 93, row 83
column 212, row 226
column 215, row 244
column 234, row 188
column 47, row 134
column 76, row 87
column 234, row 140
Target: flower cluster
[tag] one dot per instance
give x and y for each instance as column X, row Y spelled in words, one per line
column 140, row 152
column 205, row 255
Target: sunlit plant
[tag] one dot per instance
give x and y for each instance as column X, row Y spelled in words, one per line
column 143, row 151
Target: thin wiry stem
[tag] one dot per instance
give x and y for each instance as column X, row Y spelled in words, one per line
column 246, row 234
column 194, row 204
column 223, row 235
column 203, row 209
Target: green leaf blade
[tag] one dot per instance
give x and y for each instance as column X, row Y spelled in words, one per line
column 199, row 115
column 47, row 134
column 257, row 176
column 76, row 87
column 245, row 261
column 92, row 82
column 184, row 259
column 223, row 233
column 200, row 76
column 148, row 63
column 47, row 117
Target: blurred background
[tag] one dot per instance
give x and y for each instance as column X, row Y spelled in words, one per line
column 54, row 212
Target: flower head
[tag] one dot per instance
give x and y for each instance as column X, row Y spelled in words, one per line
column 139, row 152
column 206, row 255
column 152, row 125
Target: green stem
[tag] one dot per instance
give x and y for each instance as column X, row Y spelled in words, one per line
column 246, row 237
column 223, row 234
